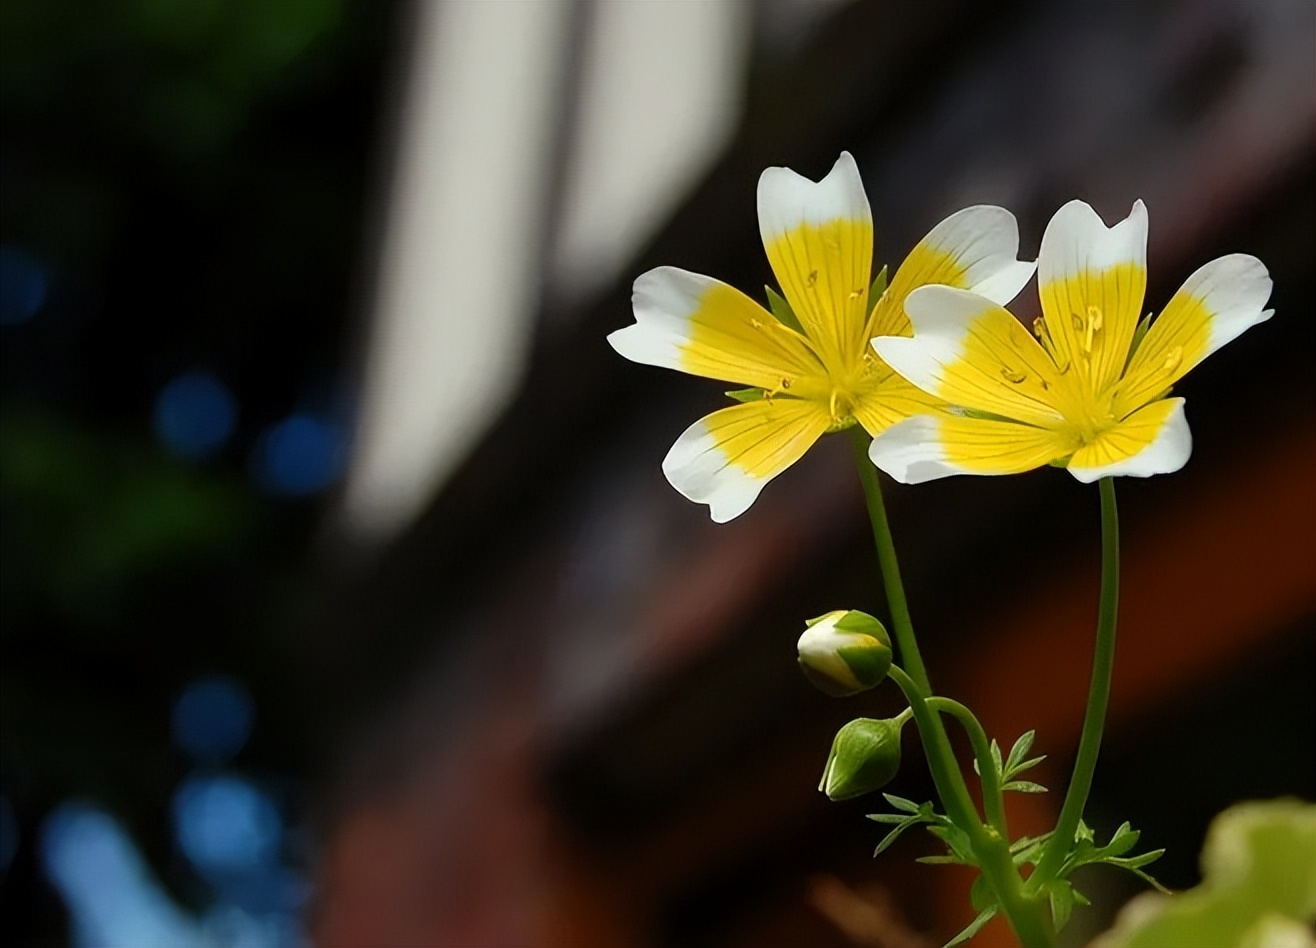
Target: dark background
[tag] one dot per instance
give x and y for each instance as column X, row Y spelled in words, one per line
column 562, row 707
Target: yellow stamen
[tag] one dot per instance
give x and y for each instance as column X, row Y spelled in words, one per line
column 1093, row 326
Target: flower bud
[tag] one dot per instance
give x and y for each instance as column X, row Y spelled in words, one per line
column 865, row 756
column 843, row 653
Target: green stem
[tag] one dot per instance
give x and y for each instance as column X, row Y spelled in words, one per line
column 1026, row 912
column 992, row 798
column 886, row 559
column 1103, row 663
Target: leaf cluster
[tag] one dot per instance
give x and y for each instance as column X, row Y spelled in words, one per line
column 1015, row 763
column 1025, row 851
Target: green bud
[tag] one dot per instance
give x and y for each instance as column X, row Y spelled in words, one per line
column 865, row 756
column 845, row 652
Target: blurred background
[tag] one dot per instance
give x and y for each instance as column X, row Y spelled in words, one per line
column 343, row 601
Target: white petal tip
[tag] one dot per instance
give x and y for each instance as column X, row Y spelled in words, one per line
column 787, row 199
column 698, row 469
column 1167, row 453
column 911, row 452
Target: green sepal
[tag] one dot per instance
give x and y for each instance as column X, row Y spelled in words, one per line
column 782, row 310
column 868, row 665
column 856, row 620
column 1143, row 325
column 746, row 395
column 981, row 415
column 865, row 756
column 877, row 289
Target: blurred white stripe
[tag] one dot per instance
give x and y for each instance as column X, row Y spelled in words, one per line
column 661, row 96
column 459, row 270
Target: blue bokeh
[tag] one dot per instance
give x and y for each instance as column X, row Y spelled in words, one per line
column 226, row 826
column 212, row 719
column 23, row 286
column 195, row 415
column 301, row 455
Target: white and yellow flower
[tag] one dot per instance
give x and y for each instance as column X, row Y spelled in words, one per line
column 1087, row 389
column 819, row 374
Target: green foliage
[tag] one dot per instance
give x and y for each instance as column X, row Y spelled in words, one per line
column 877, row 289
column 1258, row 888
column 746, row 394
column 88, row 514
column 1027, row 850
column 782, row 310
column 1016, row 763
column 1138, row 333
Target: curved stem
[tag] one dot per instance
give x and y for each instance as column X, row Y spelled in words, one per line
column 1103, row 663
column 992, row 798
column 1027, row 913
column 902, row 625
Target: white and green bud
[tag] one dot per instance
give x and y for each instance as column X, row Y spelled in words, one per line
column 865, row 756
column 845, row 652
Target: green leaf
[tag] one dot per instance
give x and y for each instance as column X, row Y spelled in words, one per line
column 1016, row 763
column 1024, row 786
column 1061, row 894
column 981, row 896
column 1023, row 842
column 746, row 394
column 877, row 289
column 1027, row 765
column 941, row 861
column 900, row 803
column 1020, row 749
column 995, row 750
column 1258, row 888
column 956, row 840
column 892, row 836
column 973, row 927
column 782, row 310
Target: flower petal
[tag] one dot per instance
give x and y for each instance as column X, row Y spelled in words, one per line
column 819, row 241
column 969, row 351
column 973, row 249
column 725, row 459
column 1153, row 440
column 702, row 326
column 1092, row 279
column 893, row 400
column 927, row 447
column 1214, row 306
